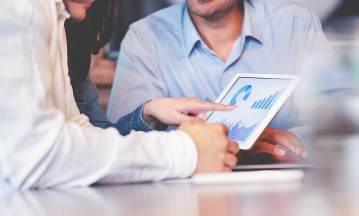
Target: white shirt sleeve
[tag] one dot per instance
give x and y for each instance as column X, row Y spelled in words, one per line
column 43, row 143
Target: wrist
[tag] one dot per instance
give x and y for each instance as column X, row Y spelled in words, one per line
column 147, row 115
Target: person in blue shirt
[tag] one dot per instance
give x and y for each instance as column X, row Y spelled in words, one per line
column 195, row 48
column 88, row 37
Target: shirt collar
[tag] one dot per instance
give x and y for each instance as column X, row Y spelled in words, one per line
column 251, row 27
column 252, row 24
column 61, row 10
column 190, row 33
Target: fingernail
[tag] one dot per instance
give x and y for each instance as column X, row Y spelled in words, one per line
column 305, row 154
column 281, row 152
column 297, row 149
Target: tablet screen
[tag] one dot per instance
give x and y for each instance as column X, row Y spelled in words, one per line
column 255, row 98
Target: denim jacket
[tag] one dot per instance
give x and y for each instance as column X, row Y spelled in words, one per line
column 86, row 96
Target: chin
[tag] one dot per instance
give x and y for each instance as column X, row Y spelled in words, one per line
column 78, row 17
column 205, row 10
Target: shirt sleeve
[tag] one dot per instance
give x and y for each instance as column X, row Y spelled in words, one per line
column 39, row 146
column 87, row 99
column 137, row 78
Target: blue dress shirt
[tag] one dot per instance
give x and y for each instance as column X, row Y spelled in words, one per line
column 163, row 55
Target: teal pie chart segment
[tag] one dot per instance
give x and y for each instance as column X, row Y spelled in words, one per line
column 247, row 89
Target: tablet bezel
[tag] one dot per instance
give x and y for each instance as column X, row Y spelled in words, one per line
column 275, row 108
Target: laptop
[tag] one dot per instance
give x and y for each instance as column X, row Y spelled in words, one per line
column 304, row 164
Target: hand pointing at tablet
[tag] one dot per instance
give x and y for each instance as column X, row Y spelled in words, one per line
column 175, row 111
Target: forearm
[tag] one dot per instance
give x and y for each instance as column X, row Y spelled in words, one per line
column 72, row 155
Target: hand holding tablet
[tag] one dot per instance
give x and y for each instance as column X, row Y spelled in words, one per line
column 259, row 97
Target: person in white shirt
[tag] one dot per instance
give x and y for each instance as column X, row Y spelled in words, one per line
column 45, row 142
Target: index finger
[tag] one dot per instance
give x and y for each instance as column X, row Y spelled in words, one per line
column 200, row 106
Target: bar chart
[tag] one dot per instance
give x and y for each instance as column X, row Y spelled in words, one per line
column 238, row 131
column 268, row 102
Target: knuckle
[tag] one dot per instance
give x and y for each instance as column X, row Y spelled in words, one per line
column 237, row 148
column 235, row 159
column 223, row 144
column 272, row 148
column 233, row 145
column 226, row 143
column 276, row 137
column 218, row 127
column 260, row 145
column 196, row 110
column 222, row 158
column 224, row 128
column 291, row 134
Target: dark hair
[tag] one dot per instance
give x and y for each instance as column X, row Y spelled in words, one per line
column 88, row 37
column 241, row 4
column 345, row 9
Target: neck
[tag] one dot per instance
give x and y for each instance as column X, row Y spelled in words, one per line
column 220, row 32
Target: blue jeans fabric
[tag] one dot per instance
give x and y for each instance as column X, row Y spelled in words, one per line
column 86, row 96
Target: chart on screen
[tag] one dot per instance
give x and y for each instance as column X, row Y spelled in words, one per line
column 254, row 98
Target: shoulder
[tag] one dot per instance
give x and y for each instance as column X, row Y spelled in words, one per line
column 34, row 19
column 167, row 19
column 29, row 10
column 282, row 14
column 279, row 8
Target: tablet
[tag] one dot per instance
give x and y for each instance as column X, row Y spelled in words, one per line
column 259, row 97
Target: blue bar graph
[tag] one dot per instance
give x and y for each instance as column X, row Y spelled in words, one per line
column 268, row 102
column 254, row 104
column 258, row 104
column 269, row 99
column 270, row 106
column 263, row 103
column 238, row 131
